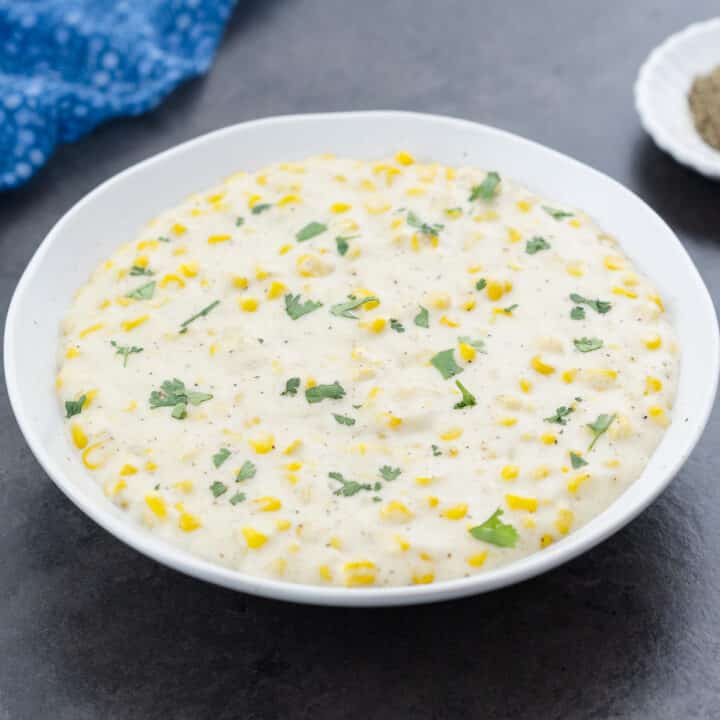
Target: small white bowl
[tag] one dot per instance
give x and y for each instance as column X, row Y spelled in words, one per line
column 111, row 214
column 661, row 91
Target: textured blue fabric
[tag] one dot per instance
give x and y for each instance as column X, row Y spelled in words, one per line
column 68, row 65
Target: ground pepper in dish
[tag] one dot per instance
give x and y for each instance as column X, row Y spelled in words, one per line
column 704, row 100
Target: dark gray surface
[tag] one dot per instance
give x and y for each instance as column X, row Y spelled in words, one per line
column 90, row 629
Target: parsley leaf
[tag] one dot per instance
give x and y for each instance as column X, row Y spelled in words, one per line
column 218, row 488
column 495, row 531
column 577, row 461
column 291, row 387
column 536, row 244
column 246, row 472
column 585, row 344
column 344, row 419
column 436, row 451
column 561, row 415
column 296, row 309
column 599, row 427
column 487, row 188
column 444, row 363
column 344, row 309
column 557, row 214
column 179, row 412
column 240, row 222
column 202, row 313
column 138, row 270
column 173, row 394
column 349, row 487
column 510, row 308
column 389, row 473
column 74, row 407
column 144, row 292
column 261, row 208
column 343, row 244
column 600, row 306
column 414, row 221
column 325, row 392
column 397, row 326
column 422, row 319
column 481, row 284
column 468, row 399
column 237, row 498
column 125, row 350
column 310, row 231
column 220, row 457
column 577, row 313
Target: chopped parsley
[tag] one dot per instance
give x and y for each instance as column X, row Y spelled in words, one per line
column 296, row 309
column 144, row 292
column 246, row 472
column 576, row 460
column 345, row 309
column 344, row 419
column 577, row 313
column 481, row 284
column 495, row 531
column 325, row 392
column 426, row 229
column 444, row 363
column 220, row 457
column 389, row 473
column 139, row 270
column 311, row 230
column 348, row 487
column 174, row 394
column 487, row 188
column 536, row 244
column 561, row 415
column 557, row 214
column 585, row 344
column 240, row 222
column 468, row 399
column 291, row 387
column 343, row 244
column 599, row 427
column 396, row 325
column 261, row 208
column 600, row 306
column 125, row 351
column 162, row 238
column 218, row 488
column 436, row 451
column 202, row 313
column 237, row 498
column 510, row 308
column 422, row 319
column 74, row 407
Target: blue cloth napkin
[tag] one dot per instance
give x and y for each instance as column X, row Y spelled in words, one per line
column 68, row 65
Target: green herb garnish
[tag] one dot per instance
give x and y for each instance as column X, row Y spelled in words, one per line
column 218, row 488
column 344, row 419
column 343, row 244
column 414, row 221
column 239, row 222
column 174, row 394
column 487, row 188
column 585, row 344
column 577, row 313
column 291, row 387
column 599, row 427
column 125, row 351
column 397, row 326
column 261, row 208
column 310, row 231
column 536, row 244
column 389, row 473
column 495, row 531
column 144, row 292
column 510, row 308
column 561, row 415
column 468, row 399
column 220, row 457
column 436, row 451
column 600, row 306
column 138, row 270
column 246, row 472
column 74, row 407
column 576, row 460
column 444, row 363
column 422, row 319
column 296, row 309
column 325, row 392
column 237, row 498
column 345, row 309
column 557, row 214
column 349, row 487
column 202, row 313
column 481, row 284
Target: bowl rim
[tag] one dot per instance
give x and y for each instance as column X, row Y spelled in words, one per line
column 649, row 118
column 566, row 549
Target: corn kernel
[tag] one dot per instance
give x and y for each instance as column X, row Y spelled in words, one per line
column 541, row 472
column 569, row 375
column 564, row 521
column 467, row 352
column 440, row 300
column 78, row 436
column 128, row 469
column 509, row 472
column 540, row 367
column 263, row 443
column 433, row 501
column 404, row 158
column 514, row 235
column 325, row 573
column 340, row 207
column 495, row 290
column 524, row 205
column 377, row 325
column 156, row 505
column 248, row 304
column 517, row 502
column 574, row 485
column 189, row 269
column 525, row 385
column 653, row 343
column 478, row 559
column 93, row 328
column 658, row 415
column 548, row 439
column 396, row 511
column 216, row 239
column 576, row 269
column 254, row 538
column 456, row 512
column 276, row 290
column 423, row 480
column 288, row 200
column 445, row 320
column 546, row 540
column 452, row 434
column 652, row 385
column 612, row 262
column 423, row 578
column 402, row 542
column 268, row 503
column 171, row 278
column 624, row 291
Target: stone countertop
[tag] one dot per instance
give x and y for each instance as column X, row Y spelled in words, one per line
column 90, row 629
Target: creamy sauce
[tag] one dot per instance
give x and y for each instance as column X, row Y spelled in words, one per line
column 435, row 424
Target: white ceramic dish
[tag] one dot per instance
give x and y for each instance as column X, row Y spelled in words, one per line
column 661, row 94
column 112, row 213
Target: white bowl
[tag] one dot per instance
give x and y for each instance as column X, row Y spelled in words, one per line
column 112, row 213
column 661, row 91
